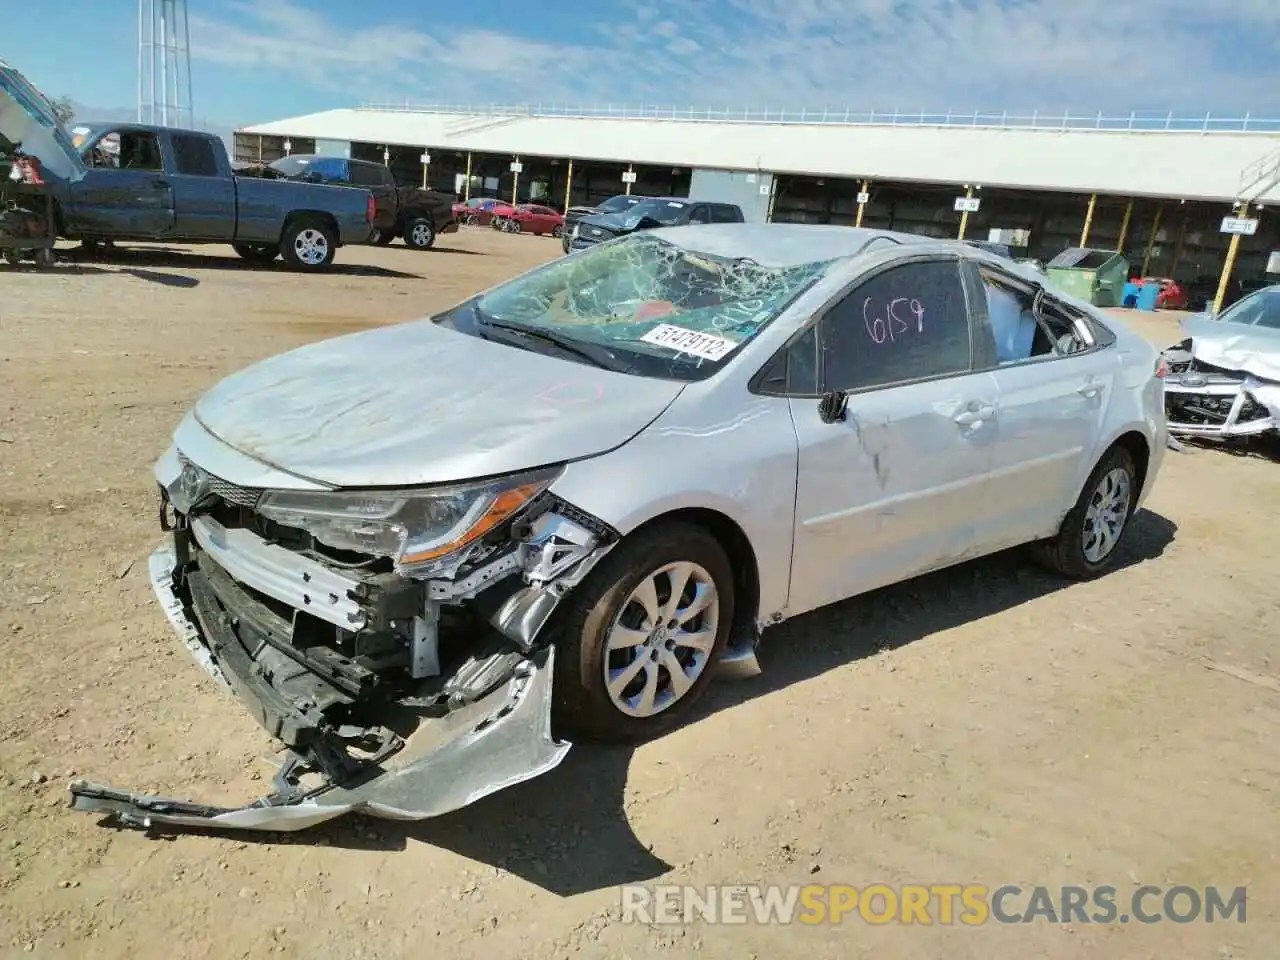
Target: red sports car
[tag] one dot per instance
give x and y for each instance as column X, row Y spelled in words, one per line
column 1171, row 296
column 477, row 210
column 529, row 218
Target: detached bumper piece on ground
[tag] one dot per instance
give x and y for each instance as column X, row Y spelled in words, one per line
column 366, row 732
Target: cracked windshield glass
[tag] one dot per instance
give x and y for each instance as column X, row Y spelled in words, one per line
column 655, row 307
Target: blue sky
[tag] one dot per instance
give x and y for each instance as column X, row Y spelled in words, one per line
column 257, row 60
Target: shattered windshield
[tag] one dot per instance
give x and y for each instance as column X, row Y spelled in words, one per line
column 663, row 211
column 657, row 308
column 618, row 204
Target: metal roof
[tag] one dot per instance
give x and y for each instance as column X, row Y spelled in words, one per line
column 1164, row 163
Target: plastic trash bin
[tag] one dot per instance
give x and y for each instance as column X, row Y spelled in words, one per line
column 1129, row 298
column 1148, row 294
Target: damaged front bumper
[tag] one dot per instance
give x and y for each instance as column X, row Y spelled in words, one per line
column 1211, row 402
column 359, row 739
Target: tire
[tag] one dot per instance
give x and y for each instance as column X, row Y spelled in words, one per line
column 557, row 231
column 1074, row 552
column 308, row 245
column 382, row 237
column 43, row 257
column 605, row 606
column 513, row 226
column 256, row 252
column 420, row 233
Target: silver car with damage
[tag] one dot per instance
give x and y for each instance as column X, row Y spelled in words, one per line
column 1224, row 380
column 427, row 556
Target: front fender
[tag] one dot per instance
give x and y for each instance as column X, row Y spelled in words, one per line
column 737, row 459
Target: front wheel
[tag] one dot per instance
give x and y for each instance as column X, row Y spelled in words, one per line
column 308, row 245
column 1086, row 544
column 420, row 233
column 641, row 633
column 558, row 231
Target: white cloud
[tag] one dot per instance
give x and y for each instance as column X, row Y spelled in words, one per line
column 1182, row 55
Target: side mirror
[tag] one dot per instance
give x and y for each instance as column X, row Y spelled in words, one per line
column 834, row 407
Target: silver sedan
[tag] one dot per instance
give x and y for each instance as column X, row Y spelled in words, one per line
column 425, row 555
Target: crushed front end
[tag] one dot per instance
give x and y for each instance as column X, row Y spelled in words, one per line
column 407, row 679
column 1210, row 401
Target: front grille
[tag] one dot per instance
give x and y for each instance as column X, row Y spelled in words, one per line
column 226, row 491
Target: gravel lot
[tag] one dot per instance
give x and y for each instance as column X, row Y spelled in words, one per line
column 987, row 724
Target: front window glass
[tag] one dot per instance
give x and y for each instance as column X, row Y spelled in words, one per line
column 657, row 308
column 1261, row 309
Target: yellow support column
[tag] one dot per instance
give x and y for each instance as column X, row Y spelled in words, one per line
column 467, row 186
column 515, row 183
column 964, row 216
column 568, row 185
column 1088, row 219
column 1233, row 251
column 862, row 188
column 1151, row 241
column 1124, row 227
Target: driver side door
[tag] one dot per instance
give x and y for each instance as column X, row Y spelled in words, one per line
column 897, row 487
column 131, row 200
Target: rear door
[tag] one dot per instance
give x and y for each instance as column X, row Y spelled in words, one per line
column 1055, row 381
column 125, row 192
column 899, row 486
column 204, row 201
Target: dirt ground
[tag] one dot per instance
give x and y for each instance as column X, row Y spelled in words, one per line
column 988, row 724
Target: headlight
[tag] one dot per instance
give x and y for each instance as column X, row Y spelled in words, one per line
column 419, row 529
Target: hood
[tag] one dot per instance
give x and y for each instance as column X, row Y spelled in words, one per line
column 1235, row 346
column 27, row 117
column 418, row 404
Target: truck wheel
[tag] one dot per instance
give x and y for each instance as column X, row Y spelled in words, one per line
column 382, row 236
column 308, row 245
column 420, row 234
column 256, row 252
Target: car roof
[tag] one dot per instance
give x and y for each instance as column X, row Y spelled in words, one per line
column 785, row 244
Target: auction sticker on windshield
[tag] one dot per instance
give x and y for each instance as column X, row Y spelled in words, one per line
column 704, row 345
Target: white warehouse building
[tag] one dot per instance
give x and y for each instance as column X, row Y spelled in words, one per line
column 1156, row 189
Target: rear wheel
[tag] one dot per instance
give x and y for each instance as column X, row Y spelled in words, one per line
column 382, row 236
column 420, row 233
column 558, row 231
column 257, row 252
column 641, row 634
column 308, row 245
column 1091, row 533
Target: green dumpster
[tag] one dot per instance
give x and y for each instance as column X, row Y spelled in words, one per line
column 1096, row 276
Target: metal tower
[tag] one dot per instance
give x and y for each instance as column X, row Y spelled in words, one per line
column 164, row 63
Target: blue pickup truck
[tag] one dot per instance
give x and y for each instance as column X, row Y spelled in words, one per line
column 131, row 182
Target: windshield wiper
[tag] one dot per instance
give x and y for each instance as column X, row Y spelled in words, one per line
column 596, row 356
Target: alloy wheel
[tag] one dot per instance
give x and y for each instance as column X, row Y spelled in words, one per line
column 1106, row 515
column 661, row 639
